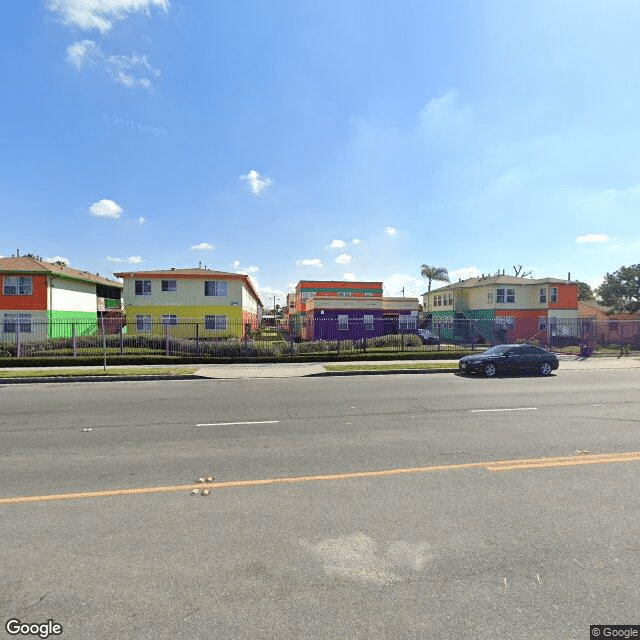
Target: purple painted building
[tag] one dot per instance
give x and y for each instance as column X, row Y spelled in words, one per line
column 340, row 318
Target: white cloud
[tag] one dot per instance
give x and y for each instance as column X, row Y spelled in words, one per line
column 350, row 277
column 106, row 208
column 390, row 231
column 309, row 262
column 129, row 260
column 141, row 220
column 413, row 286
column 239, row 269
column 344, row 258
column 84, row 52
column 356, row 241
column 257, row 183
column 203, row 246
column 443, row 116
column 131, row 71
column 267, row 294
column 57, row 259
column 337, row 244
column 593, row 238
column 101, row 14
column 464, row 273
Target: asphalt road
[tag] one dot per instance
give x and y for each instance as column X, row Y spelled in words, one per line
column 448, row 548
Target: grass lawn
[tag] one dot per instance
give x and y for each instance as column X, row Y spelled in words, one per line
column 384, row 367
column 111, row 371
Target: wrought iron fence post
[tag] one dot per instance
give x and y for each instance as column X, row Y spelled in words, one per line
column 166, row 339
column 104, row 344
column 18, row 335
column 198, row 339
column 121, row 332
column 74, row 340
column 291, row 336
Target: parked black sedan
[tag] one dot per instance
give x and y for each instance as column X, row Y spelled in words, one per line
column 510, row 358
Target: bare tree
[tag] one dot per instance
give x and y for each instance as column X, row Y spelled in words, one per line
column 519, row 272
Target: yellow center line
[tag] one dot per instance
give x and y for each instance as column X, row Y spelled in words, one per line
column 497, row 465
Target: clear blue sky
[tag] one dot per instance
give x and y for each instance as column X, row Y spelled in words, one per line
column 267, row 137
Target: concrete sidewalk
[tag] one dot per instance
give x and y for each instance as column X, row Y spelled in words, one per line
column 296, row 370
column 286, row 370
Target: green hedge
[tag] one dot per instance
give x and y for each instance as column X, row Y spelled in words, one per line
column 345, row 356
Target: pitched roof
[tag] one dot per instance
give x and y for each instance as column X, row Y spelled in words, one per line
column 489, row 280
column 192, row 273
column 30, row 264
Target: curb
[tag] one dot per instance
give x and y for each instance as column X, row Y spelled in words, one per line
column 45, row 379
column 379, row 372
column 120, row 378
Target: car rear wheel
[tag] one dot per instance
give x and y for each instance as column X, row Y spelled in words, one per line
column 545, row 369
column 490, row 370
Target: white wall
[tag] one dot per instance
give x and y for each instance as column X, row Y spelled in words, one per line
column 72, row 295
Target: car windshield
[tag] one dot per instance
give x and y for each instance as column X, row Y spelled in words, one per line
column 498, row 350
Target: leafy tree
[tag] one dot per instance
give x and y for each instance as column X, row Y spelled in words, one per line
column 440, row 274
column 621, row 289
column 585, row 292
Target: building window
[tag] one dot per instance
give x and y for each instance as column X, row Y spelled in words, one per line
column 143, row 287
column 344, row 294
column 143, row 323
column 343, row 323
column 553, row 294
column 18, row 286
column 305, row 295
column 542, row 323
column 215, row 288
column 407, row 323
column 506, row 295
column 505, row 321
column 543, row 294
column 215, row 323
column 613, row 325
column 368, row 295
column 368, row 323
column 169, row 319
column 169, row 285
column 451, row 298
column 489, row 295
column 21, row 321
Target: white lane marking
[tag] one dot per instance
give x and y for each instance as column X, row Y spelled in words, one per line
column 228, row 424
column 495, row 410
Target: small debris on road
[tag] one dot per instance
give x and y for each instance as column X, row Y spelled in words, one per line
column 205, row 492
column 581, row 452
column 209, row 479
column 200, row 479
column 86, row 429
column 194, row 492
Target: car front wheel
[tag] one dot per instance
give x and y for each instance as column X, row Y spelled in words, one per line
column 545, row 369
column 490, row 370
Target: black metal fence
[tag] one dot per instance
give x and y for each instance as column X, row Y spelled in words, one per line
column 214, row 337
